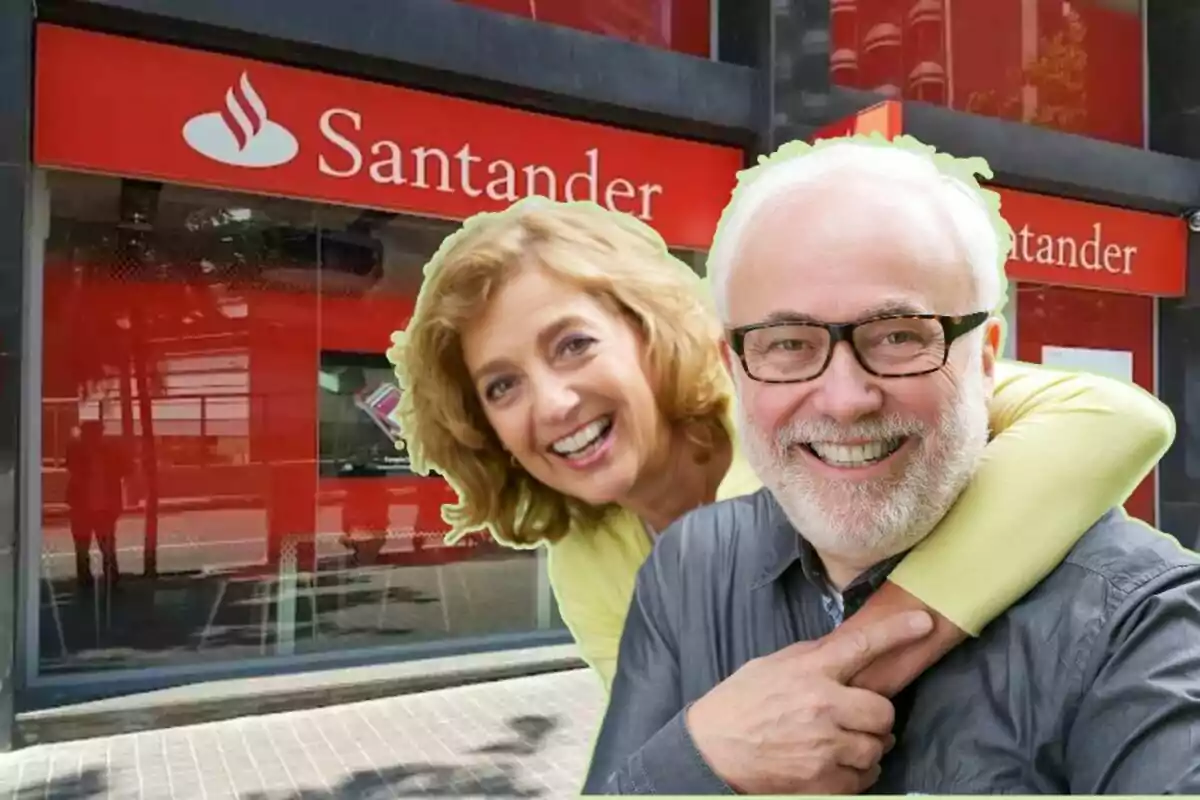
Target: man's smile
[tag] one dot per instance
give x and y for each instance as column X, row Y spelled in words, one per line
column 856, row 454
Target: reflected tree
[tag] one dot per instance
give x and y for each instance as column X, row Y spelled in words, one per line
column 1058, row 77
column 108, row 346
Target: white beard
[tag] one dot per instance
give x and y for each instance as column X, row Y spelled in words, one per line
column 865, row 522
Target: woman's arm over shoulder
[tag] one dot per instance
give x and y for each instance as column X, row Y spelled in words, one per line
column 1143, row 426
column 1067, row 447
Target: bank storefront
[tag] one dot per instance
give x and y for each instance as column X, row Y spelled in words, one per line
column 220, row 250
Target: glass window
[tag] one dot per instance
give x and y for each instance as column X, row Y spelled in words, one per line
column 680, row 25
column 215, row 436
column 1071, row 65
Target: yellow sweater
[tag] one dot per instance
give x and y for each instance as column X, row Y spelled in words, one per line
column 1067, row 447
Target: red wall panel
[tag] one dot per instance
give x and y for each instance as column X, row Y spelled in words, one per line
column 680, row 25
column 1057, row 316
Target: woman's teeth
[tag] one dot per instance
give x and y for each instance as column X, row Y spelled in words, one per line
column 583, row 441
column 854, row 455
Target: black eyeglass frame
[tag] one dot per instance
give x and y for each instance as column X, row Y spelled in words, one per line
column 953, row 328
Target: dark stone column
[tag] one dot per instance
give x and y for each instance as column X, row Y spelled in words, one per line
column 790, row 44
column 1179, row 388
column 795, row 70
column 16, row 80
column 1173, row 44
column 787, row 42
column 1173, row 36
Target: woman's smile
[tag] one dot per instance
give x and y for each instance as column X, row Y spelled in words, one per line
column 588, row 445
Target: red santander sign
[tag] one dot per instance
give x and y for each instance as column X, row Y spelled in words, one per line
column 126, row 107
column 1070, row 243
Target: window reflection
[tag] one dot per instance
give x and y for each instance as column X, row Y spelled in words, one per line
column 1074, row 66
column 218, row 477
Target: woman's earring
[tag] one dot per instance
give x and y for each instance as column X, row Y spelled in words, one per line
column 513, row 460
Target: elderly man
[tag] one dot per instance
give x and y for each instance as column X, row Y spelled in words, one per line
column 857, row 284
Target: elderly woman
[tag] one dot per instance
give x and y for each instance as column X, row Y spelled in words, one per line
column 562, row 371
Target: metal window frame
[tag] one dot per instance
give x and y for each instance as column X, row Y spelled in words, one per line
column 30, row 519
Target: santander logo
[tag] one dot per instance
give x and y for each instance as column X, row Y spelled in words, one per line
column 241, row 134
column 347, row 147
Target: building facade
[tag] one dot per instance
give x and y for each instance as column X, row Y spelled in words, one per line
column 217, row 214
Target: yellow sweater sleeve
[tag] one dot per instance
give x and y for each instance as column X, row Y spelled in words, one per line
column 592, row 573
column 1067, row 447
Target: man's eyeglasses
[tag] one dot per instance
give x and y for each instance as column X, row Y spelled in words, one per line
column 893, row 346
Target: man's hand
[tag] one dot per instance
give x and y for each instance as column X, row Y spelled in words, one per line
column 788, row 723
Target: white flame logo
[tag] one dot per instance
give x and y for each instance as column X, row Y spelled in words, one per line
column 241, row 134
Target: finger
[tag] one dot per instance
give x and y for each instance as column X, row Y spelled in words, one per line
column 861, row 711
column 859, row 751
column 889, row 676
column 845, row 653
column 796, row 649
column 867, row 779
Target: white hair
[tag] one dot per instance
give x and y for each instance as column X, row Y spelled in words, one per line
column 984, row 234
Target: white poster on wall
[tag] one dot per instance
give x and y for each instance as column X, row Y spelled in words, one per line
column 1110, row 363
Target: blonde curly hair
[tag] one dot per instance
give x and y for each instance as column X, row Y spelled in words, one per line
column 613, row 257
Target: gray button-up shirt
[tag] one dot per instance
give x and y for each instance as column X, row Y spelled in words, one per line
column 1089, row 685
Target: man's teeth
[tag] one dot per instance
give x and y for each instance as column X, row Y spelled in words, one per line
column 855, row 455
column 583, row 438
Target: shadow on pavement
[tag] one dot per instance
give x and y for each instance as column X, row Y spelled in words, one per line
column 489, row 779
column 480, row 779
column 402, row 780
column 531, row 732
column 418, row 780
column 89, row 783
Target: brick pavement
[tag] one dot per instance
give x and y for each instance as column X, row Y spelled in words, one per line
column 527, row 737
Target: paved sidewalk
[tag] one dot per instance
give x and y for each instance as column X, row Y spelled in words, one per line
column 526, row 737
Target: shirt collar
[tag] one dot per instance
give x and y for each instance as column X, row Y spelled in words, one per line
column 785, row 546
